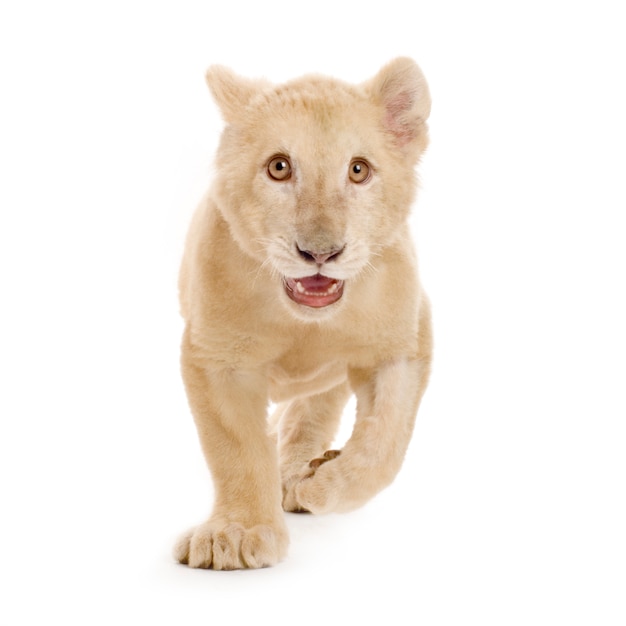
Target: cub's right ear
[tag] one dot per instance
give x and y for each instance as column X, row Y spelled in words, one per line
column 231, row 92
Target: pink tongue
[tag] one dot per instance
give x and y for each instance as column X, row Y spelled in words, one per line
column 314, row 291
column 316, row 283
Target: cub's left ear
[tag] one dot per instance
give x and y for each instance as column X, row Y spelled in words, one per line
column 401, row 90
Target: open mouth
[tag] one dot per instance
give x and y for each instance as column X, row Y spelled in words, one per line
column 314, row 291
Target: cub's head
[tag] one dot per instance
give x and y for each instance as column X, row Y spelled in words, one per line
column 315, row 177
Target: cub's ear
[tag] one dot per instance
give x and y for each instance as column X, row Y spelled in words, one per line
column 231, row 92
column 401, row 89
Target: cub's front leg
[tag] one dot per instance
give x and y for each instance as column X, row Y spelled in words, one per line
column 387, row 400
column 246, row 528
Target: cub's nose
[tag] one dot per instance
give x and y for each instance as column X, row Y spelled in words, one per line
column 318, row 256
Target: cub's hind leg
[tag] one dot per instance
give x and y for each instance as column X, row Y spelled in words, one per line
column 305, row 430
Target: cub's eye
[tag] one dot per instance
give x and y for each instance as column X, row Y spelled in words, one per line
column 359, row 171
column 279, row 168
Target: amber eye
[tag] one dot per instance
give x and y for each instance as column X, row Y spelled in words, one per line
column 279, row 168
column 359, row 171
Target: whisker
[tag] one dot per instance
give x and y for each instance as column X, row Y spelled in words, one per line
column 370, row 268
column 267, row 262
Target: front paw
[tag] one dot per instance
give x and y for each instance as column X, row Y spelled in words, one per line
column 228, row 546
column 303, row 492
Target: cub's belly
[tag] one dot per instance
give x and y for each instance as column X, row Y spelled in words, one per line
column 287, row 384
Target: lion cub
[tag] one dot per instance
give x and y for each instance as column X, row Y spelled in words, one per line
column 299, row 287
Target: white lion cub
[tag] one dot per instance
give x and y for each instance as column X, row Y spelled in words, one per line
column 299, row 286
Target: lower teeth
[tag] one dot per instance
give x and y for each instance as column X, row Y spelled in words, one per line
column 332, row 289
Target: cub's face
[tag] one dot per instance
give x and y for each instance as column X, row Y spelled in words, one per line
column 315, row 178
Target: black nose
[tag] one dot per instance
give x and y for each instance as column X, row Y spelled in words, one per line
column 320, row 257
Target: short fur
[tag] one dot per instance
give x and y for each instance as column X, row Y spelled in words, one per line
column 248, row 343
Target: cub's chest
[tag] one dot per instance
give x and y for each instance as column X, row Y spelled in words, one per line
column 312, row 362
column 288, row 380
column 315, row 363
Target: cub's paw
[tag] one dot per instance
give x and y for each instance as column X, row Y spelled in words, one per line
column 293, row 498
column 228, row 546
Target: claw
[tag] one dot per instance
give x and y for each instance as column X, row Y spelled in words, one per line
column 329, row 455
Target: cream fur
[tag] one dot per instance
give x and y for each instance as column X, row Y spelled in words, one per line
column 247, row 343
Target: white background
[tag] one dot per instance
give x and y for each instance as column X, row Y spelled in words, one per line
column 510, row 508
